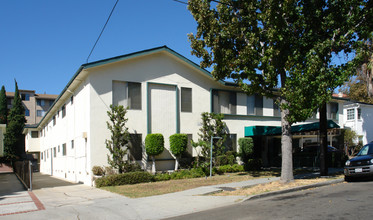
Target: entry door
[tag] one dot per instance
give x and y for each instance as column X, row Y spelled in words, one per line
column 162, row 110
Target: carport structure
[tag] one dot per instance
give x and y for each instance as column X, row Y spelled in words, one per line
column 267, row 142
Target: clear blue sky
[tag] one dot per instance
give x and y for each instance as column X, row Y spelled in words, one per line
column 43, row 42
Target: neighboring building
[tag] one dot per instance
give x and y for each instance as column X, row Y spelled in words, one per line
column 36, row 105
column 359, row 118
column 2, row 132
column 165, row 93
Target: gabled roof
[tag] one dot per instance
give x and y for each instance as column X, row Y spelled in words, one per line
column 126, row 57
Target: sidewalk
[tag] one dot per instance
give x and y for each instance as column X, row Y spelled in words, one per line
column 72, row 201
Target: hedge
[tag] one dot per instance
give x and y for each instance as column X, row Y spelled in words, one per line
column 124, row 179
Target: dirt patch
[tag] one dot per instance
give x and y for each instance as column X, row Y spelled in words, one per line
column 273, row 186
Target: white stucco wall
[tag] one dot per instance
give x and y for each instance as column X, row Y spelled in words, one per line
column 363, row 126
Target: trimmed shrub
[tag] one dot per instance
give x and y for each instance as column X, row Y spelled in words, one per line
column 98, row 171
column 230, row 169
column 154, row 144
column 228, row 158
column 124, row 179
column 162, row 177
column 178, row 144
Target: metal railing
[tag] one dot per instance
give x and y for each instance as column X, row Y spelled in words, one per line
column 23, row 170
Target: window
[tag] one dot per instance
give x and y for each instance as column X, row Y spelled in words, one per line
column 72, row 144
column 332, row 110
column 45, row 155
column 255, row 105
column 127, row 94
column 40, row 113
column 9, row 101
column 358, row 113
column 25, row 97
column 63, row 149
column 231, row 143
column 58, row 148
column 54, row 152
column 41, row 156
column 27, row 112
column 34, row 134
column 136, row 146
column 63, row 110
column 72, row 100
column 51, row 102
column 186, row 99
column 350, row 114
column 40, row 102
column 276, row 109
column 224, row 102
column 54, row 120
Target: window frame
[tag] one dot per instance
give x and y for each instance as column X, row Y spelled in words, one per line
column 350, row 114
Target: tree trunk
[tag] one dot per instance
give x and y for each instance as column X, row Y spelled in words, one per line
column 323, row 141
column 176, row 163
column 153, row 165
column 286, row 147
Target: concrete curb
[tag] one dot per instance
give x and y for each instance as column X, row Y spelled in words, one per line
column 298, row 188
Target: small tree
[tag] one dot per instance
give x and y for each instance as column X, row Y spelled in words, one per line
column 154, row 145
column 13, row 138
column 3, row 106
column 178, row 145
column 212, row 126
column 118, row 143
column 351, row 148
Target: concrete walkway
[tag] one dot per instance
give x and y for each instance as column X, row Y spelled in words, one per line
column 14, row 198
column 64, row 200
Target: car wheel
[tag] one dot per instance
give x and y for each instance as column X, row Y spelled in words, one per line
column 348, row 179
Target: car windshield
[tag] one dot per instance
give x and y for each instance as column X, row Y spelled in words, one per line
column 367, row 149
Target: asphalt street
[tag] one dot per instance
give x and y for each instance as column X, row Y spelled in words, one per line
column 338, row 201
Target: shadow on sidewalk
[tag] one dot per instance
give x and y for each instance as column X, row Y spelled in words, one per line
column 9, row 184
column 47, row 181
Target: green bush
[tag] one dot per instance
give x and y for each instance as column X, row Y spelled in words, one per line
column 124, row 179
column 253, row 164
column 246, row 148
column 162, row 177
column 178, row 144
column 230, row 169
column 98, row 171
column 131, row 167
column 154, row 144
column 228, row 158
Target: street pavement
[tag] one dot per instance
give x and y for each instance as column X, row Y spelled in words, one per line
column 65, row 200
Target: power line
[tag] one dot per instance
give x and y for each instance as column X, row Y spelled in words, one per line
column 103, row 28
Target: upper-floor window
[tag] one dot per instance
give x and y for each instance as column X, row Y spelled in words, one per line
column 350, row 114
column 40, row 102
column 332, row 110
column 255, row 105
column 27, row 112
column 224, row 102
column 72, row 100
column 186, row 99
column 72, row 144
column 34, row 134
column 358, row 113
column 25, row 96
column 54, row 120
column 63, row 149
column 127, row 94
column 9, row 101
column 51, row 102
column 63, row 110
column 276, row 109
column 40, row 113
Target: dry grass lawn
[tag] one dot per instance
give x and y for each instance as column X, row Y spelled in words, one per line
column 273, row 186
column 163, row 187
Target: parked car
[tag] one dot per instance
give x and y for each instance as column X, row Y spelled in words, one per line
column 361, row 165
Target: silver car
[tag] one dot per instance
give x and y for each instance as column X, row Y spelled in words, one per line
column 361, row 165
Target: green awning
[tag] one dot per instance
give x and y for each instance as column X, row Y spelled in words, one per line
column 276, row 130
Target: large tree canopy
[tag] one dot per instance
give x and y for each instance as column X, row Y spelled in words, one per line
column 279, row 49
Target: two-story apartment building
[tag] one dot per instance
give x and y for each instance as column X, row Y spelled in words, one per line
column 164, row 92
